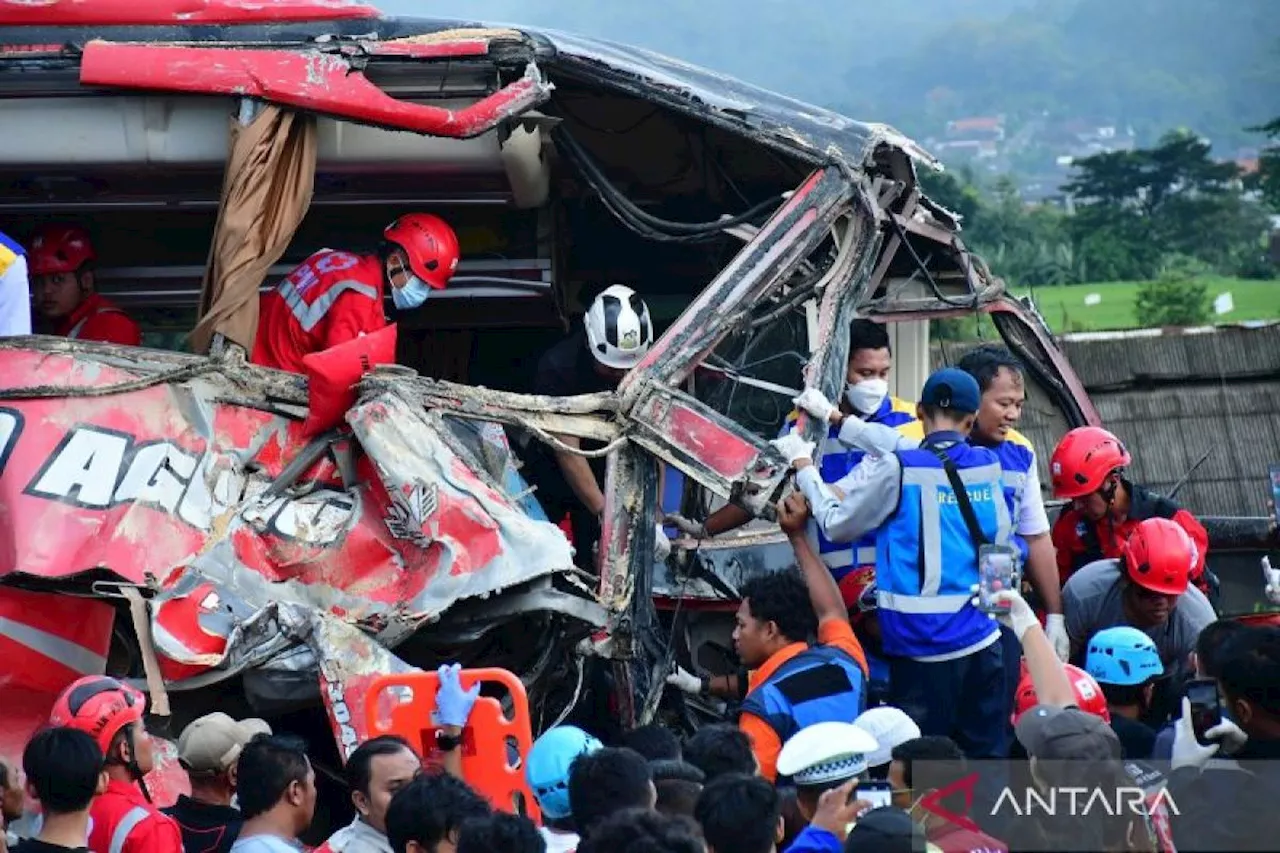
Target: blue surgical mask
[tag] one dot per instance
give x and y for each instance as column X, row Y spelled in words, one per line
column 414, row 292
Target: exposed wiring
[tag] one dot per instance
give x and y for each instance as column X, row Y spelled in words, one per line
column 577, row 694
column 640, row 221
column 631, row 128
column 971, row 303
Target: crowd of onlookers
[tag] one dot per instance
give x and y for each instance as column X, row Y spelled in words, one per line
column 861, row 786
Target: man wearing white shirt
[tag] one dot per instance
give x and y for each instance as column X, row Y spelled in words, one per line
column 15, row 291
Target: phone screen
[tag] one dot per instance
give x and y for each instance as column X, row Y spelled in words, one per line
column 1206, row 711
column 997, row 571
column 877, row 793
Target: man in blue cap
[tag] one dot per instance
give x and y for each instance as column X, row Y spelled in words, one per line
column 946, row 662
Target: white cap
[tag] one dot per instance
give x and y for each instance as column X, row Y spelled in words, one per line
column 891, row 728
column 825, row 752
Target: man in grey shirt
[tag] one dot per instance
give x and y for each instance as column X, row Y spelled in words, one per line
column 1148, row 590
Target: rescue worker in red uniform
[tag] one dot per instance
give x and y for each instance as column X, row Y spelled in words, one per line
column 124, row 820
column 335, row 296
column 60, row 263
column 1087, row 469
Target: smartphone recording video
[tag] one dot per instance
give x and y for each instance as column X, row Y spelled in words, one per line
column 1206, row 706
column 877, row 793
column 998, row 570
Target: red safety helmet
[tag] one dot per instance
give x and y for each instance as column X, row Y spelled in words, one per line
column 59, row 249
column 430, row 243
column 858, row 588
column 1160, row 556
column 99, row 706
column 1089, row 696
column 1083, row 460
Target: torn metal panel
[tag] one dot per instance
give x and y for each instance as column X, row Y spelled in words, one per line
column 349, row 663
column 817, row 135
column 451, row 43
column 827, row 368
column 627, row 529
column 707, row 446
column 583, row 416
column 794, row 231
column 304, row 79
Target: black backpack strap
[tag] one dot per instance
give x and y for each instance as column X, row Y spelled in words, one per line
column 962, row 498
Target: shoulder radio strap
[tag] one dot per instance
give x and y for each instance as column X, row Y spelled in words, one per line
column 962, row 498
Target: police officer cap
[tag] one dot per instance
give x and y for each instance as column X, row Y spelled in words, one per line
column 952, row 388
column 826, row 752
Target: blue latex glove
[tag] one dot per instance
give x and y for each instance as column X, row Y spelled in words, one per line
column 453, row 704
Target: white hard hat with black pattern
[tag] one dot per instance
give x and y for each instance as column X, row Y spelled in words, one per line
column 619, row 330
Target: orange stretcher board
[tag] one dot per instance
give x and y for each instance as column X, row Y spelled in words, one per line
column 493, row 744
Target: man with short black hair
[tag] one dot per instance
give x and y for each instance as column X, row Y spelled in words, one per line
column 1208, row 663
column 64, row 772
column 1233, row 807
column 678, row 784
column 208, row 749
column 719, row 749
column 677, row 797
column 644, row 831
column 377, row 769
column 654, row 742
column 607, row 781
column 740, row 814
column 276, row 787
column 790, row 681
column 427, row 815
column 946, row 765
column 500, row 833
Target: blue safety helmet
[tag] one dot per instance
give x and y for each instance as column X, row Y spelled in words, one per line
column 547, row 767
column 1123, row 656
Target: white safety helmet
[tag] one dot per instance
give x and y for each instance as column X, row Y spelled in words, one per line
column 619, row 331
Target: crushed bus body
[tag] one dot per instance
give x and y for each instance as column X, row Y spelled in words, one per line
column 168, row 520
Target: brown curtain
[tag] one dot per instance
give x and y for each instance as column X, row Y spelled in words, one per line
column 265, row 194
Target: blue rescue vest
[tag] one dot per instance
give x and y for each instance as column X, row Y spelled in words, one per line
column 822, row 684
column 1016, row 458
column 836, row 463
column 926, row 560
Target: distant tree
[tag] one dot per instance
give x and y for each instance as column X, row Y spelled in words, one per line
column 1179, row 296
column 1133, row 207
column 1268, row 177
column 955, row 192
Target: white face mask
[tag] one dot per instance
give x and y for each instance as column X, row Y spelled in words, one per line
column 867, row 395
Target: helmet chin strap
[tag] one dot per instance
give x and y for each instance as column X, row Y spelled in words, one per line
column 132, row 765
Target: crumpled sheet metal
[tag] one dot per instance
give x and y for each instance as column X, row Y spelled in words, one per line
column 350, row 661
column 454, row 534
column 164, row 487
column 472, row 540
